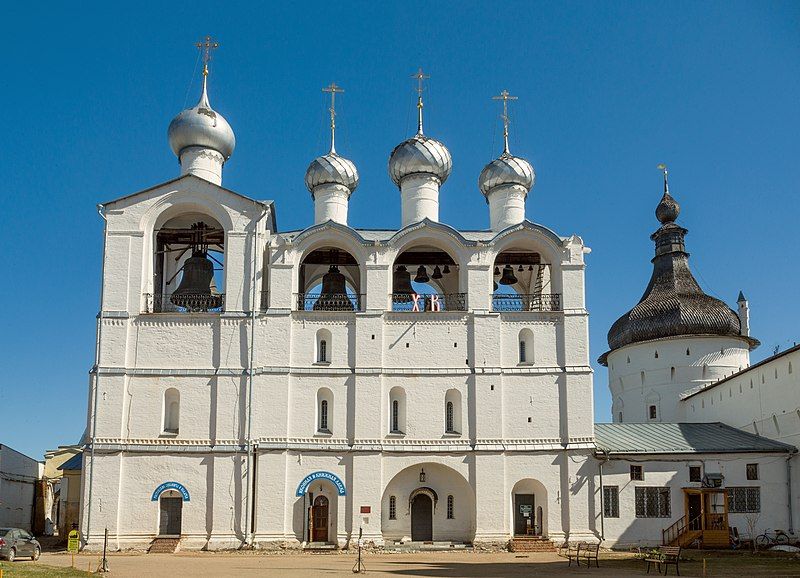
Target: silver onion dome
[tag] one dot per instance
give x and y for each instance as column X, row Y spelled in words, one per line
column 331, row 169
column 201, row 126
column 420, row 155
column 506, row 170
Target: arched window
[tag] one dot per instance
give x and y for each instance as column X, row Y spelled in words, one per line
column 323, row 351
column 526, row 346
column 450, row 507
column 172, row 410
column 324, row 413
column 395, row 415
column 323, row 346
column 392, row 508
column 452, row 412
column 448, row 417
column 397, row 410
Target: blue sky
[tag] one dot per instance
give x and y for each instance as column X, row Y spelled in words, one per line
column 606, row 92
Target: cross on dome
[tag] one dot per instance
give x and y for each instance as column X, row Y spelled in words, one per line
column 205, row 47
column 505, row 97
column 333, row 89
column 421, row 78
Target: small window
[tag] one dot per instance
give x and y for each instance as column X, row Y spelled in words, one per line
column 695, row 474
column 323, row 351
column 619, row 417
column 392, row 508
column 172, row 410
column 323, row 415
column 637, row 474
column 450, row 507
column 395, row 415
column 656, row 354
column 611, row 501
column 448, row 417
column 687, row 352
column 752, row 471
column 652, row 412
column 522, row 352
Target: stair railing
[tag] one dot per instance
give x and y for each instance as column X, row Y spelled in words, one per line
column 679, row 528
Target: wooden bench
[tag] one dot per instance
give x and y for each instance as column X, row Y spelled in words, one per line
column 570, row 550
column 667, row 556
column 589, row 552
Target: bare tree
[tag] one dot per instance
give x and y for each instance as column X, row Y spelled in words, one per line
column 752, row 522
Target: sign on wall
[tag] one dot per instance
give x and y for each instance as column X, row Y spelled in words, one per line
column 177, row 486
column 307, row 481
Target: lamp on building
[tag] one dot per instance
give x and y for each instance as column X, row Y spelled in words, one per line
column 422, row 475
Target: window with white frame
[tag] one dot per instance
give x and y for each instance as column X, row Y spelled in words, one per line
column 611, row 501
column 323, row 346
column 397, row 410
column 172, row 410
column 653, row 502
column 526, row 346
column 324, row 410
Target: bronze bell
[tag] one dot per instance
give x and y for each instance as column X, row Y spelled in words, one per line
column 334, row 293
column 508, row 277
column 422, row 275
column 437, row 273
column 197, row 291
column 401, row 285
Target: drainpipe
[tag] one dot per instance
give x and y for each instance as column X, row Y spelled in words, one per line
column 249, row 503
column 789, row 489
column 101, row 210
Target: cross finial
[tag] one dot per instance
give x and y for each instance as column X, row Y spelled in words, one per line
column 333, row 89
column 662, row 167
column 505, row 97
column 421, row 77
column 206, row 46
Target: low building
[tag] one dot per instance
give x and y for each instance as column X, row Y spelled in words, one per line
column 70, row 494
column 18, row 477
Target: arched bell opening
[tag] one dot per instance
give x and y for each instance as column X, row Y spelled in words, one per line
column 521, row 282
column 426, row 278
column 330, row 280
column 188, row 266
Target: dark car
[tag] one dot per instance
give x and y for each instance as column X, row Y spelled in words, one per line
column 15, row 543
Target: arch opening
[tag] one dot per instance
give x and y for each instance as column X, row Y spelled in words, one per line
column 426, row 278
column 522, row 282
column 530, row 508
column 329, row 280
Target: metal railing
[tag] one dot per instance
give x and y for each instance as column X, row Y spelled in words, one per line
column 527, row 302
column 429, row 302
column 329, row 302
column 184, row 303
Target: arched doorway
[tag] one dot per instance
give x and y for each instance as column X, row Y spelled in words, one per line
column 319, row 519
column 529, row 508
column 170, row 513
column 422, row 518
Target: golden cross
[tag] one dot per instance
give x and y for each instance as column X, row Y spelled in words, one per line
column 421, row 77
column 206, row 46
column 662, row 167
column 505, row 97
column 333, row 89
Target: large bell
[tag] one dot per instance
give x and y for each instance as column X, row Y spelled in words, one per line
column 197, row 291
column 422, row 275
column 401, row 285
column 334, row 293
column 508, row 277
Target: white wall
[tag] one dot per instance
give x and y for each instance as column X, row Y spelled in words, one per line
column 18, row 475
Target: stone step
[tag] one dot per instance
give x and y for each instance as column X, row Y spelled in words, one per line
column 164, row 546
column 319, row 547
column 532, row 544
column 426, row 546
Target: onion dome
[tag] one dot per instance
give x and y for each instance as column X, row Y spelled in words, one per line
column 201, row 126
column 673, row 303
column 331, row 169
column 506, row 170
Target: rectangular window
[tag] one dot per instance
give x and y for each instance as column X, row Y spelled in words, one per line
column 752, row 471
column 744, row 500
column 522, row 352
column 695, row 475
column 637, row 474
column 611, row 501
column 653, row 412
column 653, row 502
column 392, row 508
column 450, row 507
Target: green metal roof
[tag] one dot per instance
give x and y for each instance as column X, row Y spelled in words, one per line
column 681, row 438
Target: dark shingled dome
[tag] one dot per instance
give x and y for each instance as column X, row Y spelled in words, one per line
column 673, row 303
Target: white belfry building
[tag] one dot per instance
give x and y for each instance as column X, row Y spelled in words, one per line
column 268, row 388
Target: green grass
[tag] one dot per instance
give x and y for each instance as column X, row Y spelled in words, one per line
column 36, row 570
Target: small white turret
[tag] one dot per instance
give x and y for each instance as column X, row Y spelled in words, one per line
column 419, row 166
column 331, row 178
column 200, row 137
column 506, row 181
column 744, row 314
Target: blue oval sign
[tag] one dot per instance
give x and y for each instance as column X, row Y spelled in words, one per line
column 333, row 478
column 170, row 486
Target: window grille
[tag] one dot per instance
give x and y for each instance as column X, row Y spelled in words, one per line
column 395, row 416
column 323, row 415
column 448, row 417
column 450, row 507
column 322, row 355
column 752, row 471
column 695, row 474
column 653, row 502
column 637, row 474
column 522, row 352
column 611, row 501
column 392, row 508
column 745, row 500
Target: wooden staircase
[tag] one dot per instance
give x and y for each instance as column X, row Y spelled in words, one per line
column 703, row 531
column 164, row 546
column 532, row 544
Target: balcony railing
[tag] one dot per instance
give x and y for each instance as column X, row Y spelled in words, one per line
column 530, row 302
column 429, row 302
column 183, row 303
column 329, row 302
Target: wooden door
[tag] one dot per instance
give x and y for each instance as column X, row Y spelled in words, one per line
column 523, row 504
column 422, row 519
column 171, row 512
column 319, row 519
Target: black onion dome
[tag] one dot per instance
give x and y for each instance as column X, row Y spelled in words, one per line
column 673, row 303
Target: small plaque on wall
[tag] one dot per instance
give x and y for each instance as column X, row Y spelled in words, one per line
column 366, row 509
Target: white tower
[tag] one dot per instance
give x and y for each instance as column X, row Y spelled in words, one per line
column 419, row 166
column 200, row 137
column 744, row 314
column 506, row 180
column 675, row 339
column 331, row 178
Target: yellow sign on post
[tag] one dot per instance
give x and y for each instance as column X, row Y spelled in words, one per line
column 73, row 542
